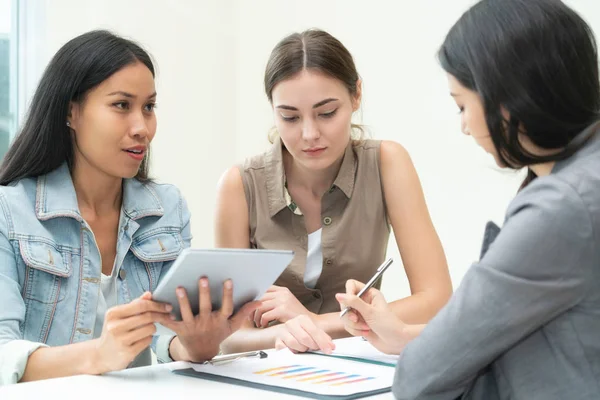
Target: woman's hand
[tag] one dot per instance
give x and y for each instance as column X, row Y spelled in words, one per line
column 300, row 334
column 278, row 304
column 198, row 337
column 127, row 331
column 372, row 318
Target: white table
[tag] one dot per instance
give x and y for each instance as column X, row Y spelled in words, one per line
column 154, row 382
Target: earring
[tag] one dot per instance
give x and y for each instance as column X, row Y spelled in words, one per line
column 68, row 124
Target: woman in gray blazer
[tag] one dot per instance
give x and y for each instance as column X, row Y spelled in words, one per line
column 525, row 321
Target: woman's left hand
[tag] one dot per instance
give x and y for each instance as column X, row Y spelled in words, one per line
column 278, row 304
column 300, row 334
column 199, row 337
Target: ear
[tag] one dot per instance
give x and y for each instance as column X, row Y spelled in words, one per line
column 74, row 114
column 356, row 99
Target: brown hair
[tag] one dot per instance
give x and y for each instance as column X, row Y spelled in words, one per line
column 311, row 49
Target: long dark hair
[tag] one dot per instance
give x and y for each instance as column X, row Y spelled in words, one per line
column 538, row 60
column 45, row 143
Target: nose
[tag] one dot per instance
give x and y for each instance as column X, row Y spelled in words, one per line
column 139, row 126
column 310, row 130
column 463, row 126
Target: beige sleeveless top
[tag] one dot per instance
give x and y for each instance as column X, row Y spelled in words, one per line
column 354, row 221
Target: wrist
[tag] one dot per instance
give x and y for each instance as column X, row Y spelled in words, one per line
column 93, row 364
column 174, row 350
column 409, row 332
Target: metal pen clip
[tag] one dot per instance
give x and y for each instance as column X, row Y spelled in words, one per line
column 220, row 360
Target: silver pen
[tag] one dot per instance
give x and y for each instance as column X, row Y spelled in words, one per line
column 218, row 360
column 371, row 282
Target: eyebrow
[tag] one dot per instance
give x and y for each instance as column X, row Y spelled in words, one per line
column 317, row 105
column 128, row 95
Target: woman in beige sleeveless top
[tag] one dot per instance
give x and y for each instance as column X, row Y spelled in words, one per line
column 328, row 196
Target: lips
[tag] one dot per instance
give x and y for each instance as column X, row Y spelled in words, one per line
column 136, row 152
column 314, row 150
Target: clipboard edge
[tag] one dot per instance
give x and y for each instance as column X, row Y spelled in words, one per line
column 277, row 389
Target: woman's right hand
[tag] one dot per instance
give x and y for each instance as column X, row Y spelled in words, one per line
column 127, row 331
column 372, row 318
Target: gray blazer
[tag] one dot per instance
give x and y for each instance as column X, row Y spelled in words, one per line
column 525, row 321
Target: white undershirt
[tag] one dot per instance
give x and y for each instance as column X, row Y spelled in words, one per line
column 314, row 259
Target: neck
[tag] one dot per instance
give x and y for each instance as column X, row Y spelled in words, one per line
column 97, row 193
column 542, row 169
column 316, row 181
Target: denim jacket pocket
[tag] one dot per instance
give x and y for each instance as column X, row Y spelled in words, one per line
column 47, row 269
column 152, row 250
column 157, row 247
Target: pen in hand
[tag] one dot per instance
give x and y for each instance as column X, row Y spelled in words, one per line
column 371, row 282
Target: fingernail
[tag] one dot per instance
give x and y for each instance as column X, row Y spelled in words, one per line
column 203, row 282
column 180, row 292
column 228, row 284
column 168, row 308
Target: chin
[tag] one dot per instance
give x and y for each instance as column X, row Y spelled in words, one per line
column 126, row 173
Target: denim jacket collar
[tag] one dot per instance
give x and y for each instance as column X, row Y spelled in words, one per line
column 56, row 197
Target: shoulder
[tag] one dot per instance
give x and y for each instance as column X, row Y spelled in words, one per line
column 253, row 163
column 18, row 196
column 555, row 204
column 391, row 155
column 386, row 150
column 231, row 181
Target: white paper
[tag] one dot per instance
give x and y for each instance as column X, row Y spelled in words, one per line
column 359, row 348
column 308, row 372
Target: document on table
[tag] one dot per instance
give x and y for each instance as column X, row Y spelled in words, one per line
column 302, row 374
column 356, row 348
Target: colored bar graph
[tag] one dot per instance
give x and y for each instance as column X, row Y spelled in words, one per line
column 301, row 373
column 312, row 378
column 336, row 379
column 291, row 371
column 353, row 381
column 305, row 374
column 266, row 371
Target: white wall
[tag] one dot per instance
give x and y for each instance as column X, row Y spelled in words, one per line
column 213, row 112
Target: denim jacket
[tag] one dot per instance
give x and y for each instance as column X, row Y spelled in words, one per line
column 50, row 266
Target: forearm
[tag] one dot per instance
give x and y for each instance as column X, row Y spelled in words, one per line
column 56, row 362
column 250, row 338
column 420, row 307
column 410, row 332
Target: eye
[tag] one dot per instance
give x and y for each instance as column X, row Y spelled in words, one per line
column 292, row 118
column 122, row 105
column 328, row 114
column 150, row 107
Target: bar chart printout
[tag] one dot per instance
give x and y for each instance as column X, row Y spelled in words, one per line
column 309, row 373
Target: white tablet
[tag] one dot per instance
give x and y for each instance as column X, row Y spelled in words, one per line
column 252, row 272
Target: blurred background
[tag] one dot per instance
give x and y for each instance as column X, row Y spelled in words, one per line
column 213, row 113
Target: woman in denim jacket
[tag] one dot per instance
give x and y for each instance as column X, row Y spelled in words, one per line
column 85, row 235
